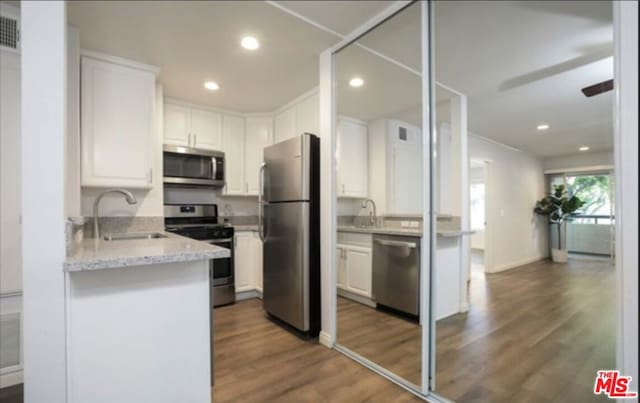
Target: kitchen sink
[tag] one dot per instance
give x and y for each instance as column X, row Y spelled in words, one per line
column 133, row 236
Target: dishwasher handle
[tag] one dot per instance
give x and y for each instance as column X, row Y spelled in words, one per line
column 400, row 244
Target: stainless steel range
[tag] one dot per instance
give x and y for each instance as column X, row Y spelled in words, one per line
column 201, row 222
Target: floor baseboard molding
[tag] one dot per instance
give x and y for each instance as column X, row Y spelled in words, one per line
column 357, row 298
column 515, row 265
column 325, row 339
column 248, row 294
column 11, row 378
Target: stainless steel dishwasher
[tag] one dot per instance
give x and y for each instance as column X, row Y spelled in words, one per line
column 396, row 272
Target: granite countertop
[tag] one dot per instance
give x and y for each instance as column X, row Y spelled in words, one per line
column 399, row 231
column 95, row 254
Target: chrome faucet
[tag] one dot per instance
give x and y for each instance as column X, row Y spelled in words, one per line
column 372, row 214
column 131, row 199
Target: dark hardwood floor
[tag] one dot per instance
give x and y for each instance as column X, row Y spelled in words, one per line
column 536, row 333
column 388, row 340
column 12, row 394
column 257, row 361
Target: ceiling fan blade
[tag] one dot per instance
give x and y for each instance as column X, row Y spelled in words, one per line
column 599, row 88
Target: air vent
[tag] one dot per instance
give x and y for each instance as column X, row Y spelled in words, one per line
column 402, row 133
column 9, row 34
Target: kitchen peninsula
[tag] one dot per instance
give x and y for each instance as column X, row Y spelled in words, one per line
column 138, row 319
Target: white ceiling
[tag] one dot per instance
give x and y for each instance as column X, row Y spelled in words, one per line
column 520, row 63
column 196, row 41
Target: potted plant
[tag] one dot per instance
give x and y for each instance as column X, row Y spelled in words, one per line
column 559, row 207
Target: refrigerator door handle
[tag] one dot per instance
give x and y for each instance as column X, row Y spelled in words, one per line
column 260, row 202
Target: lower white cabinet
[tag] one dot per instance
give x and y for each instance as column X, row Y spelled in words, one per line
column 248, row 261
column 355, row 269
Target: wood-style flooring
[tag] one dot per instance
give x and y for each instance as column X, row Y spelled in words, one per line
column 258, row 361
column 536, row 333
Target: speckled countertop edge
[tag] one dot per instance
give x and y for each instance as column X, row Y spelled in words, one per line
column 98, row 255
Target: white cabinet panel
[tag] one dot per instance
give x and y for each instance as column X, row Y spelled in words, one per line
column 245, row 259
column 407, row 180
column 285, row 125
column 177, row 125
column 259, row 134
column 233, row 145
column 258, row 249
column 354, row 268
column 342, row 274
column 358, row 269
column 308, row 116
column 118, row 126
column 352, row 159
column 206, row 129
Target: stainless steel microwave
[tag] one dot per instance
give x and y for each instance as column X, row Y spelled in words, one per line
column 185, row 166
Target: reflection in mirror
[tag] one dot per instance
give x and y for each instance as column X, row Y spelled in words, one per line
column 379, row 187
column 512, row 321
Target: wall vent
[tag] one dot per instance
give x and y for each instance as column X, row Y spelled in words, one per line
column 9, row 33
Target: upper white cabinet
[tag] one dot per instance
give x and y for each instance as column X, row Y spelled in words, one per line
column 192, row 127
column 352, row 158
column 303, row 115
column 285, row 125
column 259, row 134
column 118, row 127
column 177, row 125
column 206, row 129
column 233, row 145
column 395, row 167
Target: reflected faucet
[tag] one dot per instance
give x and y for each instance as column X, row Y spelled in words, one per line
column 131, row 199
column 372, row 214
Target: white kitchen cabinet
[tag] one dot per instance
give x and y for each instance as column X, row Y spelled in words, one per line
column 259, row 134
column 177, row 125
column 355, row 269
column 285, row 125
column 342, row 274
column 300, row 117
column 257, row 243
column 192, row 127
column 244, row 261
column 308, row 115
column 352, row 158
column 233, row 145
column 118, row 128
column 248, row 261
column 395, row 167
column 206, row 129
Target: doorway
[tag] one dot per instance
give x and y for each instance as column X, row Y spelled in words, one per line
column 478, row 171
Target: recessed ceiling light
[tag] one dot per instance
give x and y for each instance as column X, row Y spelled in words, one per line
column 211, row 85
column 250, row 43
column 543, row 126
column 356, row 82
column 584, row 148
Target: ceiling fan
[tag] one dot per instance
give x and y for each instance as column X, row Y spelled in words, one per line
column 598, row 88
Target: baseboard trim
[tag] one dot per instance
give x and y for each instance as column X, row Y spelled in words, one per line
column 514, row 265
column 248, row 294
column 357, row 298
column 325, row 339
column 11, row 378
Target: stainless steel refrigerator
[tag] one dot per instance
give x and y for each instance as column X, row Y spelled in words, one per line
column 289, row 226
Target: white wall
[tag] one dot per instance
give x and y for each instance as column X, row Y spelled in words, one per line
column 43, row 120
column 515, row 180
column 579, row 161
column 626, row 156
